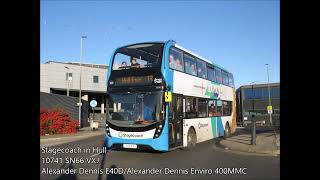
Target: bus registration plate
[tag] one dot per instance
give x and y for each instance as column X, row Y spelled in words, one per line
column 132, row 146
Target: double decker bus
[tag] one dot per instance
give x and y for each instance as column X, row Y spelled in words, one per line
column 162, row 96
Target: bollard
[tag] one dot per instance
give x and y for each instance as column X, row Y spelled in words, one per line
column 253, row 134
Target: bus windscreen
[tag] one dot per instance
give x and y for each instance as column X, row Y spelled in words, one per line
column 135, row 108
column 138, row 56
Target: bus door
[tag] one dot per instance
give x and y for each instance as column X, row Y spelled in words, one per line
column 175, row 121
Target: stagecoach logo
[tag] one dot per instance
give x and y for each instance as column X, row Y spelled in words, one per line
column 157, row 80
column 200, row 125
column 123, row 134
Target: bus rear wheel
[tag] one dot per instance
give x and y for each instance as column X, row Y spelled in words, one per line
column 191, row 139
column 227, row 131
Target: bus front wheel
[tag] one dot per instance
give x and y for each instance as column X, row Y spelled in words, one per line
column 191, row 139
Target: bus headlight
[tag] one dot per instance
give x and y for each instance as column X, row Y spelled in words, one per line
column 107, row 130
column 158, row 131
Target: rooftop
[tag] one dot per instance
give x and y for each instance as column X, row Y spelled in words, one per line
column 102, row 66
column 259, row 85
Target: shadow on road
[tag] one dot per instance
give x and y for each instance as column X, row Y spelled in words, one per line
column 114, row 176
column 102, row 161
column 258, row 130
column 240, row 138
column 68, row 176
column 240, row 141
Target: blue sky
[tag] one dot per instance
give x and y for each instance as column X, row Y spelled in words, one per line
column 241, row 36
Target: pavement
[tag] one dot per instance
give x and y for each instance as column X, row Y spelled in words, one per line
column 57, row 139
column 209, row 161
column 266, row 142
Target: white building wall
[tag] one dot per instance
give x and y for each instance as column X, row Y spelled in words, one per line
column 53, row 75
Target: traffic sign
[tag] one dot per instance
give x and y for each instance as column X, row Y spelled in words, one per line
column 168, row 96
column 269, row 108
column 93, row 103
column 269, row 111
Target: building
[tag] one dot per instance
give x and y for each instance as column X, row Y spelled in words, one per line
column 64, row 77
column 253, row 100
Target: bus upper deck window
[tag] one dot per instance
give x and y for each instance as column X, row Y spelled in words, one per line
column 190, row 65
column 218, row 75
column 175, row 59
column 202, row 71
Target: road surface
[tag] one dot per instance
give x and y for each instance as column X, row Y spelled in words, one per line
column 206, row 161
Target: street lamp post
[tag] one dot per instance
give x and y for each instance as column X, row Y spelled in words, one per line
column 68, row 87
column 270, row 115
column 67, row 80
column 80, row 104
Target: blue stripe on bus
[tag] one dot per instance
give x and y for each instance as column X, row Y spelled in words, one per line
column 110, row 67
column 217, row 127
column 214, row 126
column 220, row 127
column 168, row 72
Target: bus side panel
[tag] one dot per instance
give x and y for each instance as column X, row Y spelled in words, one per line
column 202, row 126
column 219, row 124
column 189, row 85
column 206, row 128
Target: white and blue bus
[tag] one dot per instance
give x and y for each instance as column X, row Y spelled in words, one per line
column 162, row 96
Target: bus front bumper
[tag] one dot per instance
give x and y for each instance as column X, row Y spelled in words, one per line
column 158, row 144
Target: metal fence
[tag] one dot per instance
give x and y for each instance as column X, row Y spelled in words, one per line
column 68, row 103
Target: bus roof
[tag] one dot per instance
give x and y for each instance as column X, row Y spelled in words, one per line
column 149, row 42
